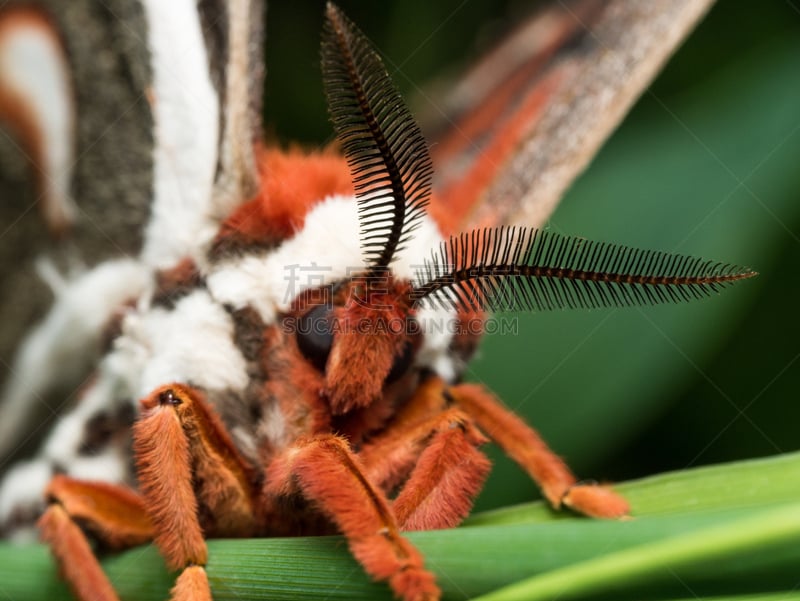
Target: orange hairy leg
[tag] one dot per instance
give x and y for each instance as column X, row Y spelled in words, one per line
column 188, row 467
column 527, row 448
column 114, row 515
column 328, row 474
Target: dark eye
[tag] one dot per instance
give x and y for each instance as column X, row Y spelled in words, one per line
column 315, row 335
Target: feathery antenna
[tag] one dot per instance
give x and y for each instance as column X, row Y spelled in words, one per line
column 506, row 268
column 511, row 268
column 384, row 147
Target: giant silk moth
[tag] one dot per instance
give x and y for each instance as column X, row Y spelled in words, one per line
column 265, row 402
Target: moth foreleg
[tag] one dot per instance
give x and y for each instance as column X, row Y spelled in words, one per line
column 114, row 515
column 527, row 448
column 327, row 473
column 186, row 460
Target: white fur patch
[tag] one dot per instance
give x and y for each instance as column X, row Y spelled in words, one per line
column 109, row 466
column 186, row 114
column 437, row 324
column 324, row 251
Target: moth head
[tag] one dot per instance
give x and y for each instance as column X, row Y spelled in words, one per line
column 361, row 334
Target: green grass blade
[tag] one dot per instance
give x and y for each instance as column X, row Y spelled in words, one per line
column 779, row 596
column 712, row 542
column 687, row 553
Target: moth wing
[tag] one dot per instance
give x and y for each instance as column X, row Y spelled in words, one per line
column 526, row 120
column 127, row 134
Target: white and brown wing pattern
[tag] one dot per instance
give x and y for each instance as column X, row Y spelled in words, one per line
column 127, row 135
column 526, row 119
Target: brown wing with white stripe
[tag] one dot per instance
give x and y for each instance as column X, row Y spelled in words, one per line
column 527, row 119
column 127, row 135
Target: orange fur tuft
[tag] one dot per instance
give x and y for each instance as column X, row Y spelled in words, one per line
column 358, row 364
column 292, row 181
column 369, row 334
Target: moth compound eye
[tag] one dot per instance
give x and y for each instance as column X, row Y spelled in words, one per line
column 401, row 363
column 315, row 335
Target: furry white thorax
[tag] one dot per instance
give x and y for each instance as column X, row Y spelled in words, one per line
column 328, row 249
column 191, row 343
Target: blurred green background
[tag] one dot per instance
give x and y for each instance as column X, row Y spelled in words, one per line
column 706, row 164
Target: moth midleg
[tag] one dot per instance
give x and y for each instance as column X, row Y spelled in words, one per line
column 447, row 475
column 389, row 457
column 432, row 450
column 325, row 471
column 526, row 447
column 114, row 515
